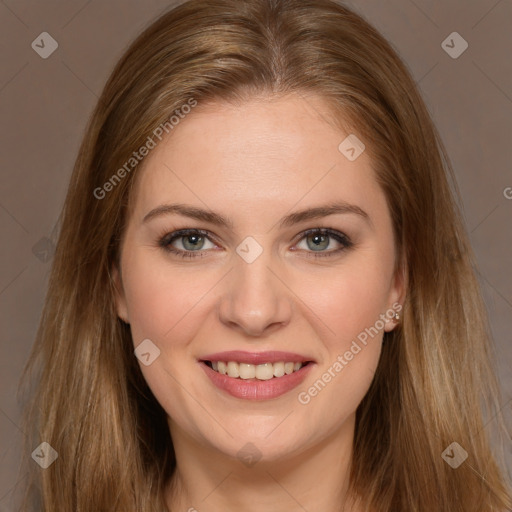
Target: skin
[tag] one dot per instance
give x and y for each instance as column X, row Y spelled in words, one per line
column 255, row 163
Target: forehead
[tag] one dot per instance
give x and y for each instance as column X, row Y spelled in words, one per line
column 259, row 154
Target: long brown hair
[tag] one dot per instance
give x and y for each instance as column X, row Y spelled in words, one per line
column 92, row 404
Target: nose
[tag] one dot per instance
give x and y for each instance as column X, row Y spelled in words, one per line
column 255, row 301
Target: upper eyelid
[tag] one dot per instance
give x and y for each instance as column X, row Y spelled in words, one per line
column 181, row 233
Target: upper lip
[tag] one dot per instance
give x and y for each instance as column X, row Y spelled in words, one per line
column 241, row 356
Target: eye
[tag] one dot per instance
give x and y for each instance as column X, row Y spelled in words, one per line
column 318, row 239
column 191, row 240
column 194, row 242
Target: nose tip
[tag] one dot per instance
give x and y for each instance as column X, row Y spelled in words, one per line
column 255, row 325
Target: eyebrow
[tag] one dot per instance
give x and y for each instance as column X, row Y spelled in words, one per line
column 289, row 220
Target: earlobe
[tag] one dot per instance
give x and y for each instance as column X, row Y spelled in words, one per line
column 120, row 300
column 393, row 317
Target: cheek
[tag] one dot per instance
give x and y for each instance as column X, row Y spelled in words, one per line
column 348, row 301
column 350, row 305
column 161, row 299
column 164, row 304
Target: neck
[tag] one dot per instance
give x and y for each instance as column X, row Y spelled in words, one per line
column 316, row 478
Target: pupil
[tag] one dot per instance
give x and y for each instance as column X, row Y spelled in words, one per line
column 317, row 240
column 192, row 240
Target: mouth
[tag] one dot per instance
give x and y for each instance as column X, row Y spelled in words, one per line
column 264, row 371
column 256, row 376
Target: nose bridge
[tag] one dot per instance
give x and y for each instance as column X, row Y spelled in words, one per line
column 254, row 298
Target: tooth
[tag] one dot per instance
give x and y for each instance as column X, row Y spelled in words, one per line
column 264, row 371
column 247, row 371
column 233, row 369
column 288, row 368
column 278, row 369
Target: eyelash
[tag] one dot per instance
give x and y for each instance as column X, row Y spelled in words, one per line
column 165, row 242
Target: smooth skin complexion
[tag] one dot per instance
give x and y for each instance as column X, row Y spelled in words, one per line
column 254, row 164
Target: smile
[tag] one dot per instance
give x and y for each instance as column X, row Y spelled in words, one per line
column 256, row 376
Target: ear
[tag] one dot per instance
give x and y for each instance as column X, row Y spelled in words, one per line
column 120, row 300
column 397, row 296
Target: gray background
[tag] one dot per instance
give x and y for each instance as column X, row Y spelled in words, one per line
column 44, row 105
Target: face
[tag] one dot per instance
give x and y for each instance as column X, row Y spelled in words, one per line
column 277, row 268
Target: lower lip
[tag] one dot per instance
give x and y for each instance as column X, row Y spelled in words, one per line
column 253, row 389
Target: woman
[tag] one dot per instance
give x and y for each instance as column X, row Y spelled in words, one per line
column 262, row 295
